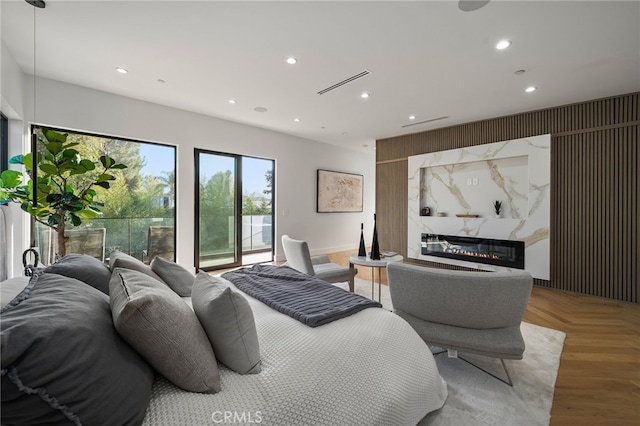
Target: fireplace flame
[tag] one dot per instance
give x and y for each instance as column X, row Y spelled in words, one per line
column 470, row 253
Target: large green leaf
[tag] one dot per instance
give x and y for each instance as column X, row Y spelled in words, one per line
column 88, row 164
column 10, row 179
column 17, row 159
column 75, row 220
column 87, row 214
column 54, row 147
column 74, row 207
column 119, row 166
column 69, row 197
column 53, row 136
column 70, row 153
column 49, row 168
column 106, row 161
column 27, row 160
column 44, row 189
column 105, row 177
column 78, row 169
column 42, row 212
column 54, row 219
column 54, row 198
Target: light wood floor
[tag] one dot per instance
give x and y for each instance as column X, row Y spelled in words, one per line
column 599, row 377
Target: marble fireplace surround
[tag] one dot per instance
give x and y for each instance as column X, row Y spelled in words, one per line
column 466, row 181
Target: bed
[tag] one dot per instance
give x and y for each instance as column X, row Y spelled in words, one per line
column 368, row 368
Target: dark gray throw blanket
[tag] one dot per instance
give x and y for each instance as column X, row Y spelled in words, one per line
column 308, row 299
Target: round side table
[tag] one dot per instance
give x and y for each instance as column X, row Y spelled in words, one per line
column 373, row 264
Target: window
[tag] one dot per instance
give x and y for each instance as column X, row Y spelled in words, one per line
column 234, row 210
column 138, row 216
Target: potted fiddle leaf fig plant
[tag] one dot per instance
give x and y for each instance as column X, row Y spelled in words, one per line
column 497, row 206
column 66, row 182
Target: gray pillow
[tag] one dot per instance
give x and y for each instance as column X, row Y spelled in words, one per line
column 85, row 268
column 118, row 259
column 63, row 362
column 228, row 320
column 175, row 276
column 164, row 330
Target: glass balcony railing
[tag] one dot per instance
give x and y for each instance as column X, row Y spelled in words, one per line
column 257, row 233
column 100, row 236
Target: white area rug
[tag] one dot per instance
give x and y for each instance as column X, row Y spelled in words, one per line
column 475, row 398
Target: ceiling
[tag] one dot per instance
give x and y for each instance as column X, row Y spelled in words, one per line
column 425, row 58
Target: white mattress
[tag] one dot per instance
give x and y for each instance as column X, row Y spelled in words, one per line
column 367, row 369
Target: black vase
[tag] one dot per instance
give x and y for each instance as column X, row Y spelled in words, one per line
column 375, row 247
column 362, row 251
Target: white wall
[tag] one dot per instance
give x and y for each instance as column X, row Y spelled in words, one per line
column 12, row 106
column 77, row 108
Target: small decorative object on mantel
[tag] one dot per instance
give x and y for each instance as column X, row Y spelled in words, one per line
column 467, row 215
column 425, row 211
column 497, row 206
column 442, row 214
column 375, row 246
column 362, row 251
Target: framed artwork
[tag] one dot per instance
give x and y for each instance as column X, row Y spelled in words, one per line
column 339, row 192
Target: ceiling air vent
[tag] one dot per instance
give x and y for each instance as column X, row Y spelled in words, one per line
column 345, row 81
column 426, row 121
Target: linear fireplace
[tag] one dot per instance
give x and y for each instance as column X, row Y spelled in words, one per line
column 482, row 250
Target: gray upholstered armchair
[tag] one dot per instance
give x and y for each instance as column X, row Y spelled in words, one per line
column 463, row 311
column 299, row 258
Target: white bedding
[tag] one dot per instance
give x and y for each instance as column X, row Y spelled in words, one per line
column 367, row 369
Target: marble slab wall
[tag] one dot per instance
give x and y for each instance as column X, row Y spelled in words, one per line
column 467, row 181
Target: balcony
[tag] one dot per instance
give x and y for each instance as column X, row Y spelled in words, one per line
column 130, row 235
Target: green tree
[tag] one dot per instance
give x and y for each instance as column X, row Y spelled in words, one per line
column 216, row 206
column 169, row 181
column 64, row 188
column 248, row 206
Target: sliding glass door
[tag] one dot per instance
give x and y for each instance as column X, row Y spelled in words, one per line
column 234, row 215
column 217, row 200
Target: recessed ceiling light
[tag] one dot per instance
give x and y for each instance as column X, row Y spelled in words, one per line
column 503, row 44
column 344, row 133
column 412, row 117
column 530, row 89
column 297, row 120
column 161, row 81
column 291, row 60
column 365, row 95
column 121, row 70
column 260, row 109
column 232, row 101
column 519, row 72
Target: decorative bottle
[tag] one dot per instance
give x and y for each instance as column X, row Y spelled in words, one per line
column 375, row 248
column 362, row 251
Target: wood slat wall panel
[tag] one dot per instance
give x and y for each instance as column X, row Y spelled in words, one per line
column 391, row 202
column 594, row 181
